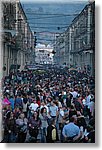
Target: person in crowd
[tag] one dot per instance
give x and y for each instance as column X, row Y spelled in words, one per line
column 71, row 131
column 12, row 102
column 25, row 104
column 52, row 133
column 74, row 93
column 18, row 101
column 61, row 121
column 43, row 105
column 17, row 111
column 33, row 106
column 53, row 110
column 54, row 94
column 34, row 124
column 92, row 108
column 72, row 111
column 68, row 100
column 21, row 125
column 44, row 124
column 9, row 128
column 88, row 99
column 78, row 104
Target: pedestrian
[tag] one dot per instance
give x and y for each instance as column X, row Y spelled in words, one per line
column 52, row 133
column 18, row 101
column 25, row 104
column 53, row 110
column 34, row 125
column 72, row 111
column 9, row 128
column 33, row 107
column 44, row 124
column 71, row 131
column 12, row 102
column 21, row 124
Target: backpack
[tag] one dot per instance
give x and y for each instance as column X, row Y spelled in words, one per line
column 54, row 134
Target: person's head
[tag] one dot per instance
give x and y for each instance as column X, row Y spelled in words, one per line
column 73, row 119
column 53, row 122
column 43, row 110
column 49, row 99
column 11, row 96
column 34, row 101
column 64, row 107
column 35, row 115
column 18, row 96
column 72, row 106
column 21, row 116
column 79, row 97
column 17, row 109
column 87, row 93
column 11, row 114
column 52, row 103
column 81, row 121
column 43, row 103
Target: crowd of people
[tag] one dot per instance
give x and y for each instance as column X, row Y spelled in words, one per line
column 54, row 106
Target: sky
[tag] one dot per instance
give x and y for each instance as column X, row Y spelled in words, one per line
column 47, row 17
column 46, row 1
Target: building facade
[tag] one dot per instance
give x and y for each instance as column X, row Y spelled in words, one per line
column 83, row 39
column 60, row 50
column 77, row 49
column 18, row 43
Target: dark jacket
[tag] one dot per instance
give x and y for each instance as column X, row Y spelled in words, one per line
column 49, row 134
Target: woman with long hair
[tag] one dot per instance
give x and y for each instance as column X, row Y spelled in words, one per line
column 44, row 124
column 34, row 124
column 9, row 128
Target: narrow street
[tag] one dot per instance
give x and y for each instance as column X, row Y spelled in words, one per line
column 60, row 92
column 48, row 72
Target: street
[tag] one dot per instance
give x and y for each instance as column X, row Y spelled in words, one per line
column 57, row 93
column 47, row 79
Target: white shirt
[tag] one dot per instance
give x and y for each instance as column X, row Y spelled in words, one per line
column 74, row 94
column 88, row 98
column 33, row 106
column 91, row 106
column 61, row 112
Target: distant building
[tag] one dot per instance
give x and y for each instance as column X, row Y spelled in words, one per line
column 43, row 55
column 59, row 57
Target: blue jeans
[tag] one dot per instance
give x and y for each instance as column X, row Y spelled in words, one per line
column 43, row 135
column 10, row 138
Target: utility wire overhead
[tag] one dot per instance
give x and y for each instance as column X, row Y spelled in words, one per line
column 49, row 17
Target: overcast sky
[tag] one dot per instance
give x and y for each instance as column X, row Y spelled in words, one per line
column 54, row 1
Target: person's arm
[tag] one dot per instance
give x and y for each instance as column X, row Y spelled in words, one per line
column 29, row 123
column 64, row 132
column 57, row 112
column 78, row 136
column 30, row 107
